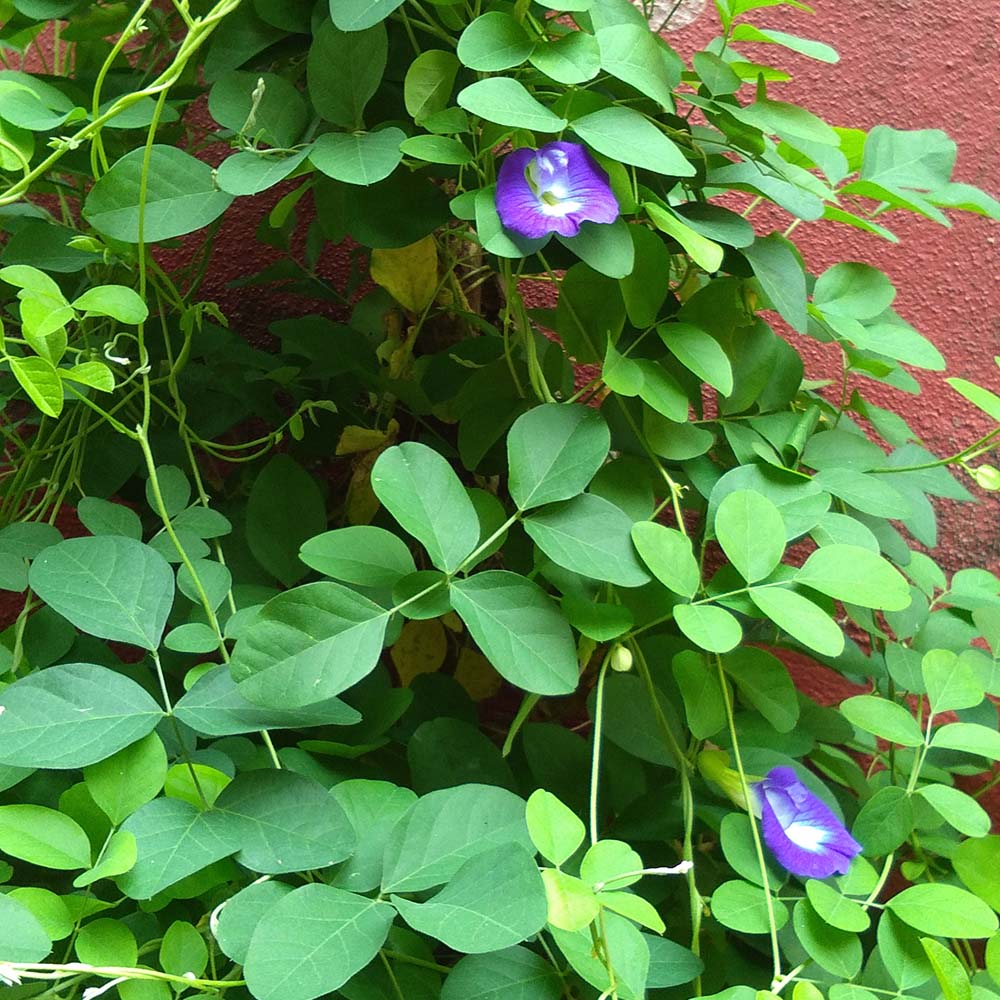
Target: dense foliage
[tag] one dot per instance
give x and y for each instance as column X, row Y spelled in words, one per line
column 431, row 650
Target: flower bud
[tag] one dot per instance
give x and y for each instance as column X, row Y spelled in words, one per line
column 987, row 477
column 621, row 659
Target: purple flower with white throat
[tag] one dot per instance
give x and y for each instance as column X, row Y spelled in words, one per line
column 802, row 832
column 553, row 190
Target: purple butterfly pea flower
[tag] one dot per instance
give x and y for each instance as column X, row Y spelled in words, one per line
column 801, row 831
column 553, row 190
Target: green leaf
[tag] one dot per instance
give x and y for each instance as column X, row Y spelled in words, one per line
column 988, row 402
column 180, row 196
column 240, row 914
column 128, row 779
column 958, row 810
column 504, row 101
column 805, row 46
column 857, row 291
column 944, row 911
column 344, row 70
column 312, row 941
column 572, row 905
column 106, row 942
column 751, row 532
column 668, row 554
column 175, row 491
column 624, row 941
column 885, row 821
column 833, row 949
column 285, row 822
column 699, row 353
column 600, row 622
column 22, row 938
column 215, row 707
column 743, row 907
column 921, row 159
column 249, row 173
column 445, row 828
column 183, row 950
column 116, row 301
column 627, row 136
column 495, row 900
column 358, row 157
column 429, row 82
column 857, row 575
column 43, row 837
column 631, row 53
column 307, row 645
column 39, row 378
column 574, row 58
column 356, row 15
column 951, row 681
column 173, row 839
column 511, row 974
column 111, row 587
column 590, row 536
column 800, row 618
column 94, row 374
column 608, row 859
column 373, row 808
column 868, row 493
column 606, row 247
column 362, row 554
column 274, row 537
column 884, row 718
column 763, row 681
column 782, row 277
column 553, row 452
column 789, row 121
column 492, row 42
column 643, row 292
column 421, row 491
column 554, row 828
column 72, row 715
column 277, row 116
column 837, row 910
column 437, row 149
column 519, row 629
column 706, row 253
column 704, row 704
column 977, row 863
column 948, row 970
column 716, row 74
column 709, row 627
column 117, row 857
column 968, row 737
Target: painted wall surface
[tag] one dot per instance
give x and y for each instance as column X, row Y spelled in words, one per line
column 907, row 63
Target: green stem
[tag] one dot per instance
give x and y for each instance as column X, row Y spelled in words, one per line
column 755, row 832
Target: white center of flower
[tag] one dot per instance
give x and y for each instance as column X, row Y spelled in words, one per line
column 809, row 838
column 546, row 175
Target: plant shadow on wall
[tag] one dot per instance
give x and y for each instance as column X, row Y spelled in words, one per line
column 392, row 664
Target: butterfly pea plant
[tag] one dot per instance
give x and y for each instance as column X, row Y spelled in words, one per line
column 429, row 639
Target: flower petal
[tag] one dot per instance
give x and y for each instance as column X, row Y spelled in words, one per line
column 586, row 183
column 802, row 832
column 566, row 187
column 517, row 205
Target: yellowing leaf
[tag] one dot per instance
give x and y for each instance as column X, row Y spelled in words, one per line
column 476, row 674
column 354, row 440
column 362, row 504
column 420, row 649
column 409, row 274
